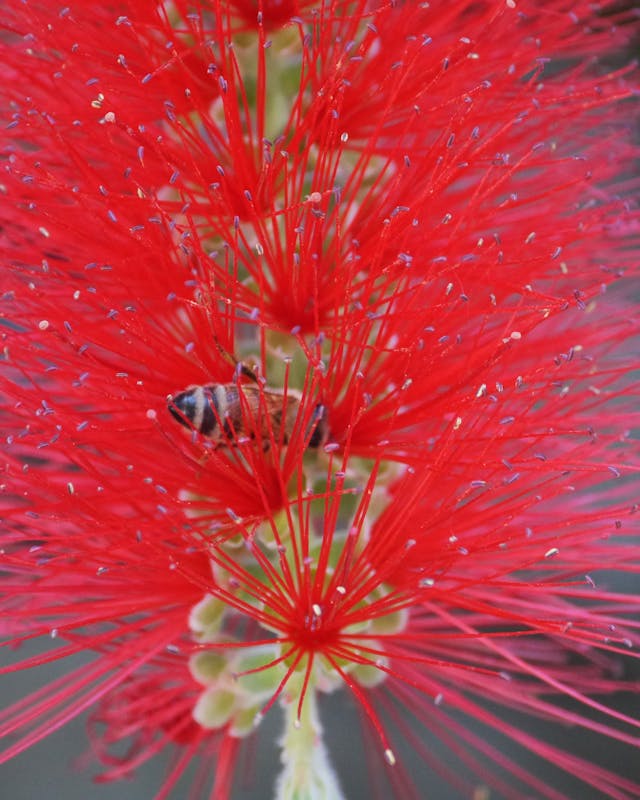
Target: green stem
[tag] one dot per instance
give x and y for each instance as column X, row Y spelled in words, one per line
column 307, row 773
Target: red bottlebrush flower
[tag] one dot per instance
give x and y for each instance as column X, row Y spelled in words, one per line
column 316, row 379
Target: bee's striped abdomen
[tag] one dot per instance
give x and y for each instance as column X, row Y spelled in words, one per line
column 199, row 408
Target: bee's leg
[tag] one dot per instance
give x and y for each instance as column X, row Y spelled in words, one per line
column 318, row 426
column 243, row 369
column 206, row 455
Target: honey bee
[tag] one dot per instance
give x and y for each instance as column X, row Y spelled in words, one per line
column 228, row 412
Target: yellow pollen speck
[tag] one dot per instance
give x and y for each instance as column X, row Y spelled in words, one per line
column 457, row 423
column 43, row 324
column 389, row 757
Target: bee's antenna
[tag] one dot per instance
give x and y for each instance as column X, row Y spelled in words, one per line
column 224, row 352
column 240, row 367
